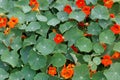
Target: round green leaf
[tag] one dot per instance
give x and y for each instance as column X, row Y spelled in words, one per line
column 41, row 18
column 87, row 58
column 97, row 60
column 84, row 44
column 41, row 76
column 100, row 12
column 62, row 16
column 81, row 72
column 58, row 59
column 33, row 26
column 16, row 44
column 36, row 61
column 3, row 74
column 107, row 37
column 94, row 29
column 98, row 48
column 26, row 9
column 16, row 76
column 79, row 16
column 28, row 73
column 11, row 58
column 113, row 73
column 66, row 26
column 117, row 47
column 45, row 46
column 53, row 22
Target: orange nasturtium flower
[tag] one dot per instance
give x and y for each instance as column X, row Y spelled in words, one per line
column 108, row 3
column 34, row 4
column 68, row 9
column 67, row 72
column 12, row 22
column 3, row 22
column 58, row 38
column 75, row 49
column 106, row 61
column 104, row 46
column 116, row 55
column 115, row 28
column 52, row 71
column 80, row 3
column 86, row 10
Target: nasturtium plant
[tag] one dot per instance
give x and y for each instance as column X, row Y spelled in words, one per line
column 59, row 39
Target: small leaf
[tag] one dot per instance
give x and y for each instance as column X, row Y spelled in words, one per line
column 100, row 12
column 45, row 46
column 53, row 22
column 26, row 9
column 81, row 72
column 11, row 58
column 33, row 26
column 94, row 28
column 41, row 18
column 113, row 73
column 28, row 73
column 62, row 16
column 66, row 26
column 87, row 58
column 16, row 76
column 97, row 60
column 107, row 37
column 84, row 44
column 36, row 60
column 58, row 60
column 98, row 48
column 79, row 16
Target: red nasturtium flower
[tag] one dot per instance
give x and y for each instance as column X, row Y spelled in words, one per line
column 108, row 3
column 115, row 28
column 112, row 16
column 86, row 10
column 106, row 61
column 52, row 71
column 67, row 72
column 68, row 9
column 12, row 22
column 34, row 4
column 116, row 55
column 58, row 38
column 80, row 3
column 3, row 22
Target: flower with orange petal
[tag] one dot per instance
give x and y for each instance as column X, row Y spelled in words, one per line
column 34, row 4
column 58, row 38
column 112, row 16
column 80, row 3
column 116, row 55
column 3, row 22
column 108, row 3
column 115, row 28
column 67, row 72
column 86, row 10
column 106, row 61
column 68, row 9
column 12, row 22
column 52, row 71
